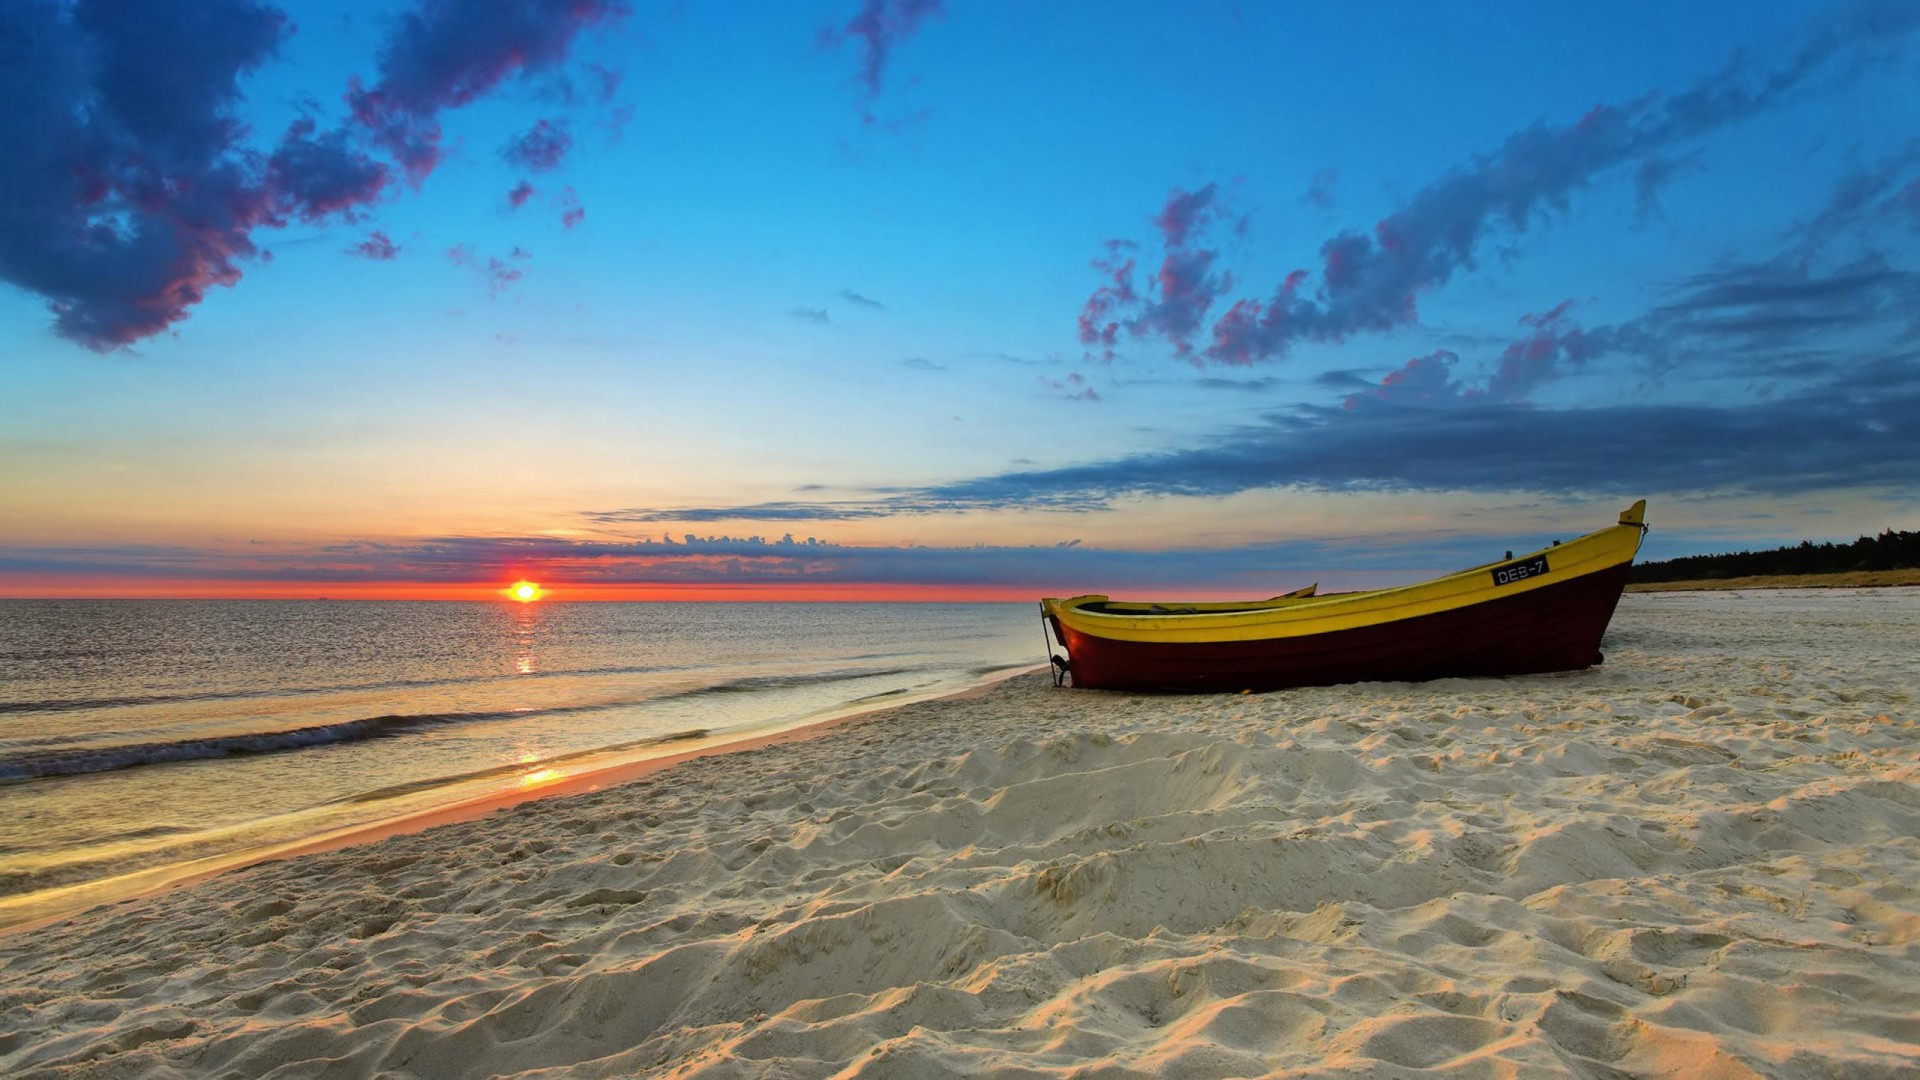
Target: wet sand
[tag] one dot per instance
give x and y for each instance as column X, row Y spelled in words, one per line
column 1700, row 859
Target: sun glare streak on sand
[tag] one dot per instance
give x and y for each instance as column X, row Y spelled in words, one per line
column 1699, row 859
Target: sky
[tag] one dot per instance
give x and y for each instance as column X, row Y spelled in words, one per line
column 913, row 299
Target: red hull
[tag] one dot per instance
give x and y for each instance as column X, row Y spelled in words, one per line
column 1555, row 628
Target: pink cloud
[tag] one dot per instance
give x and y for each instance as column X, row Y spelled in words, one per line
column 1179, row 294
column 378, row 245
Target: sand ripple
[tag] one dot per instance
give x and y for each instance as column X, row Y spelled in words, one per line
column 1701, row 859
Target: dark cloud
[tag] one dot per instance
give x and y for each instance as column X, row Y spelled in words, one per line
column 314, row 177
column 1342, row 379
column 852, row 297
column 571, row 212
column 129, row 187
column 879, row 26
column 126, row 197
column 541, row 148
column 520, row 193
column 447, row 53
column 1371, row 282
column 1245, row 386
column 1747, row 311
column 377, row 245
column 1782, row 285
column 1424, row 381
column 1828, row 439
column 167, row 74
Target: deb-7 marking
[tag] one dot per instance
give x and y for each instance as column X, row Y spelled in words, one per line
column 1520, row 571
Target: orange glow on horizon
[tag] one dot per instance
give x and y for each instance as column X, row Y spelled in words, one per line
column 30, row 586
column 525, row 591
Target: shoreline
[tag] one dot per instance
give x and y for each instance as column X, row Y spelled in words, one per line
column 152, row 881
column 1858, row 579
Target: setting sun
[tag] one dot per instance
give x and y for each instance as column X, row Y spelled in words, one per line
column 524, row 591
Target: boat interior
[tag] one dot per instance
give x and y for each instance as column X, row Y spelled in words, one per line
column 1137, row 607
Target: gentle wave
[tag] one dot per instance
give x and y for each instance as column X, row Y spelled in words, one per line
column 131, row 700
column 995, row 669
column 80, row 761
column 754, row 683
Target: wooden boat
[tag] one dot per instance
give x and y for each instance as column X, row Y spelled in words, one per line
column 1544, row 611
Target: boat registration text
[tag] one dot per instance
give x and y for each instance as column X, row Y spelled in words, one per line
column 1520, row 571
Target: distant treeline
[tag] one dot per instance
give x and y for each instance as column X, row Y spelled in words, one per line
column 1890, row 550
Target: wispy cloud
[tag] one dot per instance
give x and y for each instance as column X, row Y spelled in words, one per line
column 878, row 28
column 1877, row 194
column 496, row 273
column 1372, row 281
column 377, row 245
column 812, row 315
column 1322, row 190
column 852, row 297
column 1244, row 386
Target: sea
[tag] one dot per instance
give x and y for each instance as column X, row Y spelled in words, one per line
column 144, row 740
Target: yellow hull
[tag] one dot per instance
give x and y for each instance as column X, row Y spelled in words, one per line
column 1544, row 611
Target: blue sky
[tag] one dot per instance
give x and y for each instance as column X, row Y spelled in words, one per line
column 986, row 297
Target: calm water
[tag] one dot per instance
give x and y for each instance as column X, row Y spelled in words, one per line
column 143, row 734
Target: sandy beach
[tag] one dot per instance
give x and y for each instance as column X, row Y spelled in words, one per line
column 1700, row 859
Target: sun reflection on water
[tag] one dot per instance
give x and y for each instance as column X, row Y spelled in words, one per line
column 527, row 621
column 541, row 777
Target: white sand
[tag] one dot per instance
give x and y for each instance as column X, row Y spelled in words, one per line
column 1701, row 859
